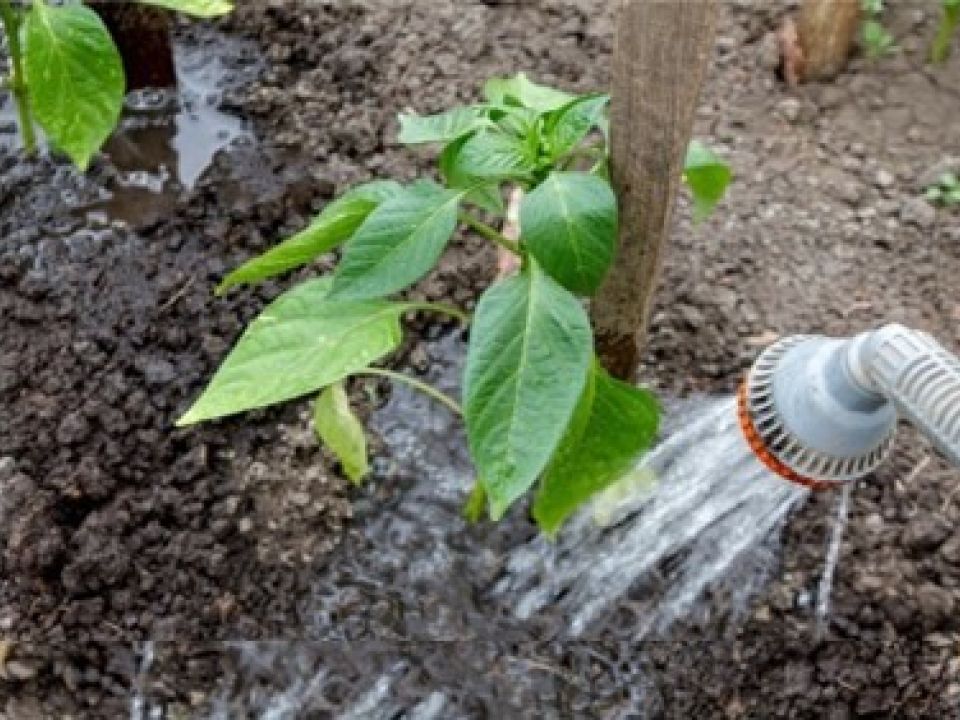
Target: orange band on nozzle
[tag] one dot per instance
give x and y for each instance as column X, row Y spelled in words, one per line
column 764, row 455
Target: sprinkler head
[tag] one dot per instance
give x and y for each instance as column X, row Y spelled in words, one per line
column 823, row 411
column 807, row 418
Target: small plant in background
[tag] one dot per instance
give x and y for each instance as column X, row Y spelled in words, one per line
column 946, row 191
column 66, row 74
column 949, row 19
column 877, row 41
column 707, row 176
column 538, row 408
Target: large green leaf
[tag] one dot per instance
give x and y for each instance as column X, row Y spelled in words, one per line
column 338, row 221
column 569, row 223
column 75, row 76
column 341, row 431
column 617, row 422
column 398, row 243
column 301, row 342
column 568, row 126
column 708, row 177
column 483, row 194
column 527, row 362
column 198, row 8
column 520, row 89
column 495, row 156
column 444, row 127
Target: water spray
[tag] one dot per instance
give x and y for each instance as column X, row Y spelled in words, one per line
column 823, row 411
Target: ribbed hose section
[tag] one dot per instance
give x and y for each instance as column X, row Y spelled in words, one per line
column 921, row 378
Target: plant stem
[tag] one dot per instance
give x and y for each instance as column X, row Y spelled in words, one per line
column 596, row 154
column 489, row 233
column 441, row 308
column 418, row 385
column 18, row 85
column 948, row 24
column 591, row 151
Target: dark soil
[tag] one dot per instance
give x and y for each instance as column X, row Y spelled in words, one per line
column 116, row 528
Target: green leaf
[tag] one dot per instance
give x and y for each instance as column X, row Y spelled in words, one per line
column 607, row 505
column 520, row 89
column 877, row 38
column 708, row 177
column 494, row 156
column 476, row 504
column 337, row 223
column 514, row 120
column 444, row 127
column 75, row 77
column 569, row 223
column 527, row 362
column 398, row 243
column 570, row 125
column 486, row 196
column 581, row 414
column 340, row 430
column 301, row 342
column 621, row 422
column 198, row 8
column 949, row 180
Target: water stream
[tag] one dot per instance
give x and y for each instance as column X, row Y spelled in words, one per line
column 698, row 514
column 690, row 537
column 707, row 517
column 833, row 555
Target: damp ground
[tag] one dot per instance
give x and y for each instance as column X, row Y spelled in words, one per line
column 117, row 530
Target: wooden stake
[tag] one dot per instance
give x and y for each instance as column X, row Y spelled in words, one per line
column 142, row 35
column 660, row 57
column 827, row 29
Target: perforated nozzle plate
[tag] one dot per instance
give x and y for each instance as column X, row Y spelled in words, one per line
column 781, row 449
column 765, row 456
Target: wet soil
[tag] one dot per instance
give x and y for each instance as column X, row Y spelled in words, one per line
column 115, row 528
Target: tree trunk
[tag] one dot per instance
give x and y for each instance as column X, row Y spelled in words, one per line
column 660, row 57
column 142, row 35
column 826, row 30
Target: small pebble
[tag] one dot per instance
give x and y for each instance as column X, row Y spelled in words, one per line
column 917, row 211
column 789, row 108
column 16, row 670
column 885, row 179
column 300, row 499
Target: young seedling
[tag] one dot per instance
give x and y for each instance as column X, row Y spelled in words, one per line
column 538, row 408
column 66, row 74
column 946, row 191
column 877, row 41
column 949, row 20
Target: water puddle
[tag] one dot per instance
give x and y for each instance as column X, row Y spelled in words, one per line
column 166, row 139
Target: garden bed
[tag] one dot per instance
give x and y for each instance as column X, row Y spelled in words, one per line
column 115, row 528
